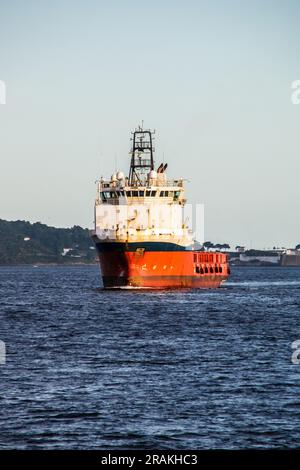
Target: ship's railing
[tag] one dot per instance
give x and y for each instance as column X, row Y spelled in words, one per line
column 171, row 183
column 145, row 184
column 158, row 183
column 185, row 236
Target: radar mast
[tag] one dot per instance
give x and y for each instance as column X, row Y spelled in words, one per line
column 142, row 161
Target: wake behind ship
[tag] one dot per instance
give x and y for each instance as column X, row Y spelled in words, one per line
column 140, row 233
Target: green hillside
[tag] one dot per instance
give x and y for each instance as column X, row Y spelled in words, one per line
column 25, row 243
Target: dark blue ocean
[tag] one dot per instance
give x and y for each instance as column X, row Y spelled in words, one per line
column 191, row 369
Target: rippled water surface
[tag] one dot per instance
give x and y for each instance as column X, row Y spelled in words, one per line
column 88, row 368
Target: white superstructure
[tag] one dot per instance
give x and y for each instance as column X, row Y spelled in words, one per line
column 153, row 211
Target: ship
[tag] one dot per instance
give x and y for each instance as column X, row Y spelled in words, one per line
column 140, row 234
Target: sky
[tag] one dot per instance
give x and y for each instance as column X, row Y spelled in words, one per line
column 212, row 77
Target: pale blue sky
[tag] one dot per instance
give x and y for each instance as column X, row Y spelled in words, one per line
column 212, row 77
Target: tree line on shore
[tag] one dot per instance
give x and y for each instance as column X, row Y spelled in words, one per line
column 30, row 243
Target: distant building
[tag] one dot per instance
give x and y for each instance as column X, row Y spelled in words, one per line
column 65, row 251
column 292, row 251
column 290, row 257
column 255, row 257
column 273, row 258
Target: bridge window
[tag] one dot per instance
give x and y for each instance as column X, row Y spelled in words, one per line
column 141, row 193
column 135, row 194
column 153, row 193
column 128, row 193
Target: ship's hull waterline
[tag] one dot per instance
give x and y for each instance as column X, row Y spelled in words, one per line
column 136, row 267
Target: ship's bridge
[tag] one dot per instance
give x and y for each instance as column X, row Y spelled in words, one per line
column 140, row 195
column 144, row 212
column 117, row 192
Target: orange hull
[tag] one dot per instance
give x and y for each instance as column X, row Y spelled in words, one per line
column 162, row 269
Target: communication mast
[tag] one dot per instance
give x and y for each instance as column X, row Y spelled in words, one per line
column 141, row 155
